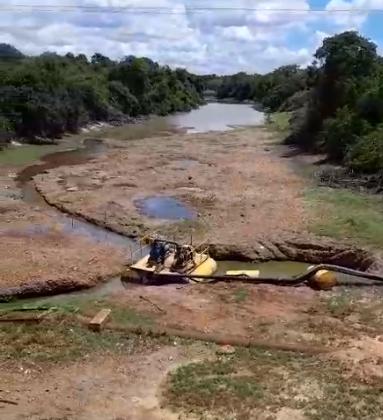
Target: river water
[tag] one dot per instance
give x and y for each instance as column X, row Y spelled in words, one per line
column 217, row 116
column 209, row 117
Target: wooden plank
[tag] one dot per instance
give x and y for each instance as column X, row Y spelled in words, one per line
column 97, row 322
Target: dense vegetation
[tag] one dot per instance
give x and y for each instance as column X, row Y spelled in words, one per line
column 344, row 112
column 48, row 95
column 337, row 101
column 271, row 91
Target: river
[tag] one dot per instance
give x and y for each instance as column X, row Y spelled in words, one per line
column 78, row 149
column 75, row 150
column 210, row 117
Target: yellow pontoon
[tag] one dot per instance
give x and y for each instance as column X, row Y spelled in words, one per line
column 168, row 261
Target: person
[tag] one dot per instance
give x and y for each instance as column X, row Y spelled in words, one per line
column 158, row 253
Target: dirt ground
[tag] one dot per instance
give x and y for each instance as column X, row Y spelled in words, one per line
column 221, row 310
column 37, row 252
column 238, row 185
column 117, row 387
column 325, row 330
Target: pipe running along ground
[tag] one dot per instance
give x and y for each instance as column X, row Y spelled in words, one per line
column 278, row 281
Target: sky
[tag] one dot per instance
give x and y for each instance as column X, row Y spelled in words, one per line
column 203, row 41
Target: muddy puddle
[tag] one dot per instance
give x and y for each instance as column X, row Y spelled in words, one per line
column 288, row 269
column 267, row 269
column 90, row 149
column 167, row 208
column 116, row 286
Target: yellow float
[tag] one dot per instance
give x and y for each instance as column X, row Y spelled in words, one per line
column 323, row 280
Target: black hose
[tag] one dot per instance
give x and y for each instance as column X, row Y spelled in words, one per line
column 279, row 281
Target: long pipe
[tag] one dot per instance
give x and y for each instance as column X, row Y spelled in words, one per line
column 280, row 281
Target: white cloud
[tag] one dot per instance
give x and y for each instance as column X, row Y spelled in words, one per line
column 223, row 41
column 351, row 18
column 237, row 33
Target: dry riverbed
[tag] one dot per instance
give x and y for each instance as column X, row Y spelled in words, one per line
column 239, row 188
column 293, row 353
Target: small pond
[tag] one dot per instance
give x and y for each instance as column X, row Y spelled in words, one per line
column 267, row 269
column 168, row 208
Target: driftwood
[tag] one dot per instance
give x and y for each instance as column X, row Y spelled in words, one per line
column 153, row 304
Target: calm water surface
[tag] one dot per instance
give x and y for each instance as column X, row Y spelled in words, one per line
column 216, row 116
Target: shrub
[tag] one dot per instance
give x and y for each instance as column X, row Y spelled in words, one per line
column 366, row 155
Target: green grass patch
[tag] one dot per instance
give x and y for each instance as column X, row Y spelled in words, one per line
column 61, row 339
column 24, row 154
column 254, row 382
column 279, row 121
column 241, row 295
column 344, row 214
column 60, row 336
column 340, row 306
column 121, row 315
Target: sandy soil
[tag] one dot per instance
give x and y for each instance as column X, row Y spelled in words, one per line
column 238, row 311
column 235, row 181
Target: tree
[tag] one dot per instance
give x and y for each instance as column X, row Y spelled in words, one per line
column 50, row 94
column 8, row 52
column 344, row 102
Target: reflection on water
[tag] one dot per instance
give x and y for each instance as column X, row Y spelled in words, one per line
column 217, row 117
column 22, row 155
column 286, row 269
column 90, row 149
column 165, row 208
column 267, row 269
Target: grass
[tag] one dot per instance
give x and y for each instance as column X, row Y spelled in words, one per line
column 121, row 315
column 340, row 306
column 241, row 295
column 255, row 381
column 367, row 308
column 61, row 339
column 344, row 214
column 279, row 122
column 61, row 336
column 24, row 154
